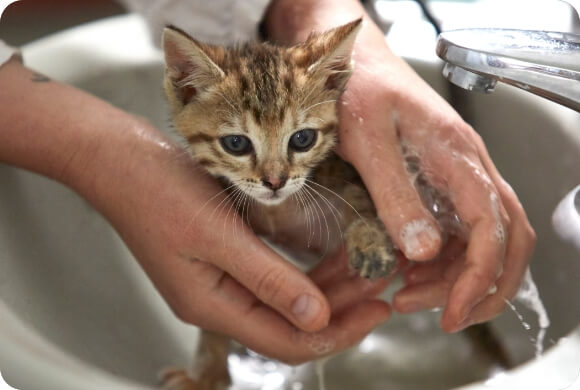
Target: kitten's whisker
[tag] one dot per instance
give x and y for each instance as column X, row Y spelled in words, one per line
column 245, row 207
column 300, row 201
column 251, row 202
column 236, row 205
column 246, row 202
column 223, row 200
column 331, row 207
column 339, row 197
column 237, row 193
column 303, row 99
column 319, row 211
column 318, row 104
column 205, row 205
column 325, row 220
column 237, row 110
column 310, row 213
column 228, row 113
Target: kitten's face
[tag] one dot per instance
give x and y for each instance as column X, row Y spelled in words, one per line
column 260, row 116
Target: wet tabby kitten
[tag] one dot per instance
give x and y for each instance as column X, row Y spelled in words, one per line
column 263, row 119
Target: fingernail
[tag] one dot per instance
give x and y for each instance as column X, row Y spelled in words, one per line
column 306, row 308
column 467, row 322
column 418, row 238
column 411, row 308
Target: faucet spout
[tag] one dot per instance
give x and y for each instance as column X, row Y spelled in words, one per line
column 544, row 63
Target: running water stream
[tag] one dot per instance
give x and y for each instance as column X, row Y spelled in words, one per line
column 529, row 297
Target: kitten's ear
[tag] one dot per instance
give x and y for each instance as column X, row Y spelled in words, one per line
column 189, row 68
column 334, row 54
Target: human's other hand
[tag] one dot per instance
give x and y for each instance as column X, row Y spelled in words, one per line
column 387, row 104
column 211, row 270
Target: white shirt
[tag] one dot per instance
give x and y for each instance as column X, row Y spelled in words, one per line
column 219, row 22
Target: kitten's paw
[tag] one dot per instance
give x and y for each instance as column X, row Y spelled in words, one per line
column 370, row 250
column 177, row 379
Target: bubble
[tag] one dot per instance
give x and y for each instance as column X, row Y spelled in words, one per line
column 435, row 199
column 414, row 235
column 500, row 234
column 319, row 344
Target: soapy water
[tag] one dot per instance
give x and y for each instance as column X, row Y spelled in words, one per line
column 442, row 208
column 438, row 203
column 529, row 297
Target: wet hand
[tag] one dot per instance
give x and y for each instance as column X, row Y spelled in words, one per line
column 215, row 273
column 387, row 106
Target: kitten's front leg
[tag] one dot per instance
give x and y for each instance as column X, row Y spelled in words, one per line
column 371, row 251
column 210, row 370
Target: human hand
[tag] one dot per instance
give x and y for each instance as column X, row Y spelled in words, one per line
column 386, row 104
column 454, row 159
column 215, row 273
column 209, row 267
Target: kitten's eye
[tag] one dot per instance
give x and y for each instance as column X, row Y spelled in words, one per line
column 303, row 140
column 236, row 144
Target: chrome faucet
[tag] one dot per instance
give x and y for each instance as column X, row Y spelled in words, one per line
column 543, row 63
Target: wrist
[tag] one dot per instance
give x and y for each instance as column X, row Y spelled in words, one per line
column 291, row 21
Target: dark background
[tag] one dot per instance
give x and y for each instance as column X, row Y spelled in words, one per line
column 27, row 20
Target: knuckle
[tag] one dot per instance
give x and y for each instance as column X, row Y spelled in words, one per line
column 399, row 197
column 530, row 234
column 487, row 276
column 269, row 284
column 183, row 313
column 496, row 307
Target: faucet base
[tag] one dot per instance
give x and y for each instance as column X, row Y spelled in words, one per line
column 468, row 80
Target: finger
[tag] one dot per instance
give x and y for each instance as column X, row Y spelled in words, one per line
column 285, row 343
column 447, row 265
column 378, row 159
column 424, row 296
column 331, row 269
column 522, row 238
column 353, row 290
column 519, row 250
column 335, row 270
column 226, row 301
column 518, row 255
column 273, row 280
column 479, row 207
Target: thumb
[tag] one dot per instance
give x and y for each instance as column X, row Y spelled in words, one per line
column 274, row 281
column 379, row 161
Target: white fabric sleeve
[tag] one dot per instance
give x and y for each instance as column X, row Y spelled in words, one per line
column 219, row 22
column 6, row 52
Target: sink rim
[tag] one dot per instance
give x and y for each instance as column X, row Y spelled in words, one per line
column 25, row 354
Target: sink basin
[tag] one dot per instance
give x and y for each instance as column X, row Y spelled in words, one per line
column 78, row 313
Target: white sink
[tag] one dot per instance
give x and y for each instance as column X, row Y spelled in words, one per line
column 78, row 313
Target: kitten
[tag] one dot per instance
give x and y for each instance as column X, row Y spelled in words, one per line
column 263, row 119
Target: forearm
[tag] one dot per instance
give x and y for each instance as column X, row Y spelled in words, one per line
column 61, row 132
column 291, row 21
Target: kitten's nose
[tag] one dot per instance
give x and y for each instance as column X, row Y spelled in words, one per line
column 274, row 183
